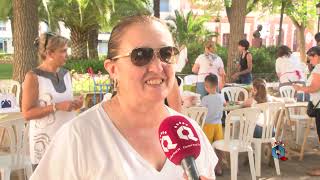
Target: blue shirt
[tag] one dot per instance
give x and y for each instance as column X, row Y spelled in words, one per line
column 214, row 103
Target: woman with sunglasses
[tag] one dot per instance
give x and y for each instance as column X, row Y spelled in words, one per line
column 118, row 138
column 313, row 87
column 47, row 99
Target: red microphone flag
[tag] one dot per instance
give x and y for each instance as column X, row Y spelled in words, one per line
column 178, row 139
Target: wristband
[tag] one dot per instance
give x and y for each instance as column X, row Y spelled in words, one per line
column 54, row 107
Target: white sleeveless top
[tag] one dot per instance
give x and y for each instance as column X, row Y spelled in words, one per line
column 42, row 130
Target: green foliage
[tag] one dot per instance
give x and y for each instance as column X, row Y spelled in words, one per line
column 301, row 11
column 194, row 50
column 190, row 28
column 81, row 66
column 126, row 8
column 5, row 9
column 264, row 59
column 6, row 71
column 190, row 31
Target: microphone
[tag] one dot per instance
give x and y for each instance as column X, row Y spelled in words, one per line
column 181, row 144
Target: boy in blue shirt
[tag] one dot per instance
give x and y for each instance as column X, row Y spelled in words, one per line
column 213, row 125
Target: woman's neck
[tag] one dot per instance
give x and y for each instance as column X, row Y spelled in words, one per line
column 138, row 114
column 49, row 67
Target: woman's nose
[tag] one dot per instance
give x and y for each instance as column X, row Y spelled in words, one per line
column 156, row 65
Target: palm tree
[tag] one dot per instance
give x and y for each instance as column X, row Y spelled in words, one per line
column 85, row 18
column 190, row 28
column 124, row 8
column 190, row 31
column 81, row 17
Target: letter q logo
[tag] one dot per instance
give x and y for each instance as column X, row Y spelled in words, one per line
column 167, row 144
column 190, row 134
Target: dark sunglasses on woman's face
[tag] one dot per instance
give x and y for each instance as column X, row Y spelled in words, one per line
column 143, row 56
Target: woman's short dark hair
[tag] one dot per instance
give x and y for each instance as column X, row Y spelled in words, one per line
column 284, row 51
column 244, row 43
column 315, row 50
column 317, row 37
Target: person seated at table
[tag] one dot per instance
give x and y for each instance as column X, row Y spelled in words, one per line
column 259, row 95
column 47, row 98
column 214, row 101
column 118, row 138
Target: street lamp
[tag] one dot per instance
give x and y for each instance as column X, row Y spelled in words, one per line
column 318, row 13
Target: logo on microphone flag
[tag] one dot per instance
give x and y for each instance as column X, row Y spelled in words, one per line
column 178, row 139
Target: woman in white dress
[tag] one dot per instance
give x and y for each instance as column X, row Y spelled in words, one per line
column 47, row 99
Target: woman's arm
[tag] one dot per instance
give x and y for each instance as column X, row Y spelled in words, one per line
column 174, row 98
column 195, row 68
column 30, row 94
column 314, row 86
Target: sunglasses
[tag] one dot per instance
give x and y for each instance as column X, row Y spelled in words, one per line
column 143, row 56
column 48, row 36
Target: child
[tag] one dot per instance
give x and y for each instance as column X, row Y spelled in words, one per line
column 212, row 127
column 259, row 95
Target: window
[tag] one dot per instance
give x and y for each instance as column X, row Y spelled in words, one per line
column 164, row 5
column 2, row 26
column 1, row 46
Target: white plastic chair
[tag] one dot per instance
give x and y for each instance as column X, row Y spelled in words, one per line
column 273, row 113
column 199, row 114
column 287, row 92
column 234, row 143
column 11, row 86
column 300, row 117
column 17, row 158
column 190, row 79
column 233, row 93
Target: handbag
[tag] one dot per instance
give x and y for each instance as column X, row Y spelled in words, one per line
column 311, row 109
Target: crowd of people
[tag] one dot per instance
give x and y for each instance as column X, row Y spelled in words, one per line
column 118, row 138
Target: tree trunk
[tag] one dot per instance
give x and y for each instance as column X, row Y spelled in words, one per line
column 93, row 42
column 25, row 25
column 79, row 39
column 302, row 43
column 156, row 8
column 236, row 16
column 283, row 5
column 301, row 39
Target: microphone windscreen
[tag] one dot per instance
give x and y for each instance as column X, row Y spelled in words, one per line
column 178, row 139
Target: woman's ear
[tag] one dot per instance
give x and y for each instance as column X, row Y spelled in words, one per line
column 110, row 66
